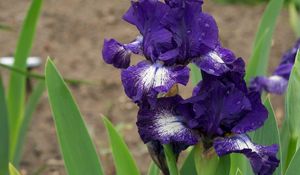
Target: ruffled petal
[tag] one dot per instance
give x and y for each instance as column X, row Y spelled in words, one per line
column 148, row 80
column 118, row 54
column 164, row 124
column 262, row 158
column 273, row 84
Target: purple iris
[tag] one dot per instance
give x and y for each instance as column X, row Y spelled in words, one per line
column 173, row 34
column 223, row 110
column 277, row 83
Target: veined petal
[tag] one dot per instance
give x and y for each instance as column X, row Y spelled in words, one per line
column 118, row 54
column 164, row 124
column 148, row 80
column 262, row 158
column 273, row 84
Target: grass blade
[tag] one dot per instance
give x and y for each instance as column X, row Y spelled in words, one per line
column 153, row 169
column 258, row 63
column 30, row 108
column 124, row 162
column 4, row 133
column 188, row 167
column 16, row 90
column 76, row 145
column 294, row 18
column 171, row 160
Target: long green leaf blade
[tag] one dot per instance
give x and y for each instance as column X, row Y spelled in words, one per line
column 4, row 133
column 122, row 157
column 16, row 90
column 293, row 99
column 30, row 108
column 76, row 145
column 258, row 63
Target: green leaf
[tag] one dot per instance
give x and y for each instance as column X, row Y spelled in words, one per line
column 238, row 172
column 205, row 164
column 122, row 157
column 294, row 18
column 284, row 144
column 293, row 99
column 13, row 170
column 195, row 74
column 171, row 160
column 4, row 133
column 153, row 169
column 188, row 167
column 16, row 90
column 294, row 167
column 30, row 108
column 76, row 145
column 269, row 133
column 258, row 63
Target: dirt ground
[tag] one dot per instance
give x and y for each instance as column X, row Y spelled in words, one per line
column 72, row 32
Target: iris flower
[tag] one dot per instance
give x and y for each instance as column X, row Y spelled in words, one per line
column 277, row 83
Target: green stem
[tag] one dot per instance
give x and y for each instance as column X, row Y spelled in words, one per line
column 171, row 160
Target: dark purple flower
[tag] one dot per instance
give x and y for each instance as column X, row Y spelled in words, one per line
column 222, row 105
column 164, row 123
column 262, row 158
column 277, row 83
column 119, row 54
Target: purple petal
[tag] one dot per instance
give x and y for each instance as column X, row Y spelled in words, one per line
column 254, row 118
column 119, row 54
column 148, row 80
column 164, row 124
column 216, row 62
column 273, row 84
column 194, row 32
column 262, row 158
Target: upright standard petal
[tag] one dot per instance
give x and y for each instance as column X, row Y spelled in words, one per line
column 164, row 123
column 146, row 16
column 119, row 54
column 147, row 80
column 194, row 32
column 262, row 158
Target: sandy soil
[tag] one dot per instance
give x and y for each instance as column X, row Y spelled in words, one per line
column 72, row 32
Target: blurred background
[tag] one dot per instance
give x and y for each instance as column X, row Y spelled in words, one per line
column 72, row 32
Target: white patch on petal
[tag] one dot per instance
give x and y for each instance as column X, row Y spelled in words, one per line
column 154, row 76
column 167, row 124
column 276, row 78
column 245, row 143
column 215, row 57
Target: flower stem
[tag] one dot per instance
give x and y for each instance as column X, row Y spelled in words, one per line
column 171, row 160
